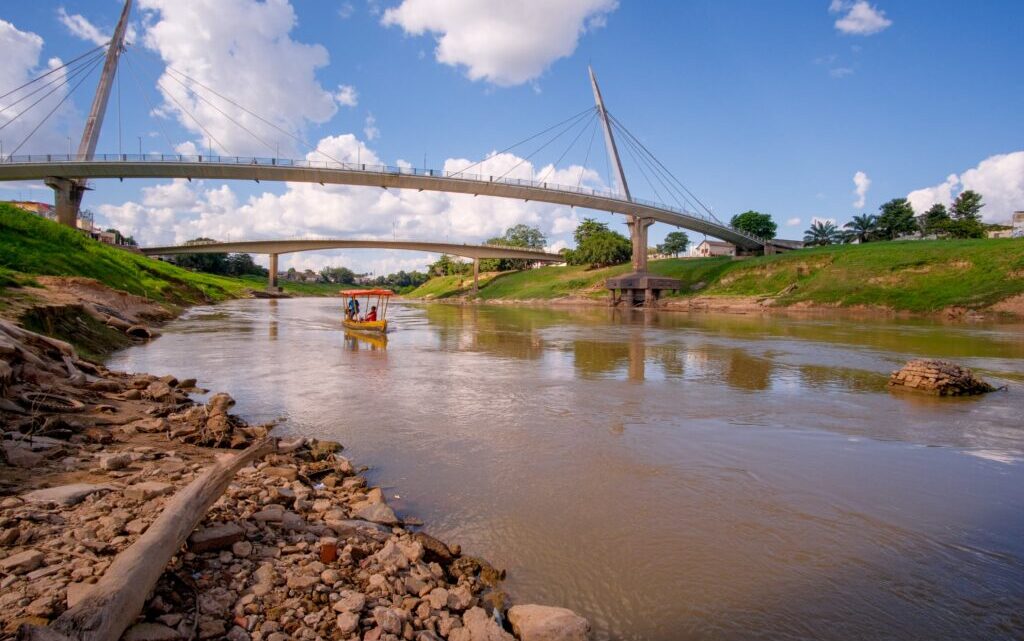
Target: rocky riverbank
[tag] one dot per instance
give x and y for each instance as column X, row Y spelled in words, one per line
column 298, row 547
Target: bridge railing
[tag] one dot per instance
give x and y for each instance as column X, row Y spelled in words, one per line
column 358, row 167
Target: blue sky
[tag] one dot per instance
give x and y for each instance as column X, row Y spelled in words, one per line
column 753, row 105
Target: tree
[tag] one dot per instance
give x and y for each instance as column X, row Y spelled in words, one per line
column 448, row 266
column 340, row 275
column 896, row 218
column 934, row 220
column 243, row 265
column 967, row 206
column 209, row 263
column 821, row 232
column 516, row 236
column 587, row 228
column 862, row 228
column 675, row 243
column 755, row 223
column 598, row 246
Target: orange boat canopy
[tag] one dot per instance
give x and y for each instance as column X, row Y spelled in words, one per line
column 352, row 293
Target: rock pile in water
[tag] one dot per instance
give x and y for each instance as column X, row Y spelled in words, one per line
column 940, row 378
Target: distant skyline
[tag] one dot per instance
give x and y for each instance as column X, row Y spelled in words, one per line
column 813, row 110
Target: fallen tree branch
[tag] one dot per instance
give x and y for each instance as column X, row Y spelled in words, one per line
column 114, row 602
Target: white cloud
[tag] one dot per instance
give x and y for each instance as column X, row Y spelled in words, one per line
column 370, row 129
column 999, row 179
column 861, row 185
column 346, row 10
column 81, row 28
column 504, row 43
column 840, row 72
column 793, row 222
column 347, row 96
column 21, row 63
column 243, row 49
column 860, row 17
column 177, row 211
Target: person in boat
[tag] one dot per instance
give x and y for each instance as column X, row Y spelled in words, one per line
column 353, row 309
column 372, row 315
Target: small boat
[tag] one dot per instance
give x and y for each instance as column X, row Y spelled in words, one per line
column 357, row 322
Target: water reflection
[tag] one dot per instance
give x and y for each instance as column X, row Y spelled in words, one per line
column 669, row 476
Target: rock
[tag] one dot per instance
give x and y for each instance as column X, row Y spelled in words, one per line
column 286, row 446
column 544, row 623
column 147, row 490
column 302, row 581
column 150, row 632
column 438, row 598
column 434, row 551
column 377, row 513
column 65, row 494
column 211, row 629
column 217, row 537
column 347, row 623
column 330, row 577
column 151, row 425
column 348, row 527
column 459, row 598
column 350, row 601
column 237, row 633
column 22, row 562
column 136, row 526
column 269, row 515
column 477, row 626
column 241, row 549
column 289, row 473
column 116, row 461
column 321, row 450
column 938, row 378
column 160, row 391
column 19, row 456
column 389, row 619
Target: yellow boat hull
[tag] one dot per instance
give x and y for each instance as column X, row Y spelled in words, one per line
column 374, row 327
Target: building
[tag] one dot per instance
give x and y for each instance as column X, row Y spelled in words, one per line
column 1018, row 224
column 714, row 248
column 40, row 209
column 1005, row 232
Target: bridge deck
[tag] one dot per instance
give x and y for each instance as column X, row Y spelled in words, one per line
column 39, row 167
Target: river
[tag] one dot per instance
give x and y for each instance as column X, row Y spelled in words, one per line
column 668, row 476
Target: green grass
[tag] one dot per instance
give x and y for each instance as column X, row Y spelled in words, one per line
column 299, row 289
column 918, row 276
column 30, row 245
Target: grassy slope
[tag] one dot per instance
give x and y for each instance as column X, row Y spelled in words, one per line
column 920, row 276
column 30, row 245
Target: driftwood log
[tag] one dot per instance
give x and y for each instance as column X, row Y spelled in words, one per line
column 115, row 601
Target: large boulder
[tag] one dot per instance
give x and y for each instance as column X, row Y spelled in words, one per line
column 545, row 623
column 938, row 378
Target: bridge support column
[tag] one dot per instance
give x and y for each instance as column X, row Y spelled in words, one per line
column 272, row 276
column 638, row 234
column 67, row 199
column 476, row 275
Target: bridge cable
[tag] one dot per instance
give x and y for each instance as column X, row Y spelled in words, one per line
column 542, row 147
column 58, row 79
column 590, row 145
column 222, row 112
column 665, row 169
column 152, row 109
column 55, row 69
column 569, row 148
column 673, row 192
column 629, row 150
column 65, row 80
column 524, row 140
column 55, row 108
column 294, row 137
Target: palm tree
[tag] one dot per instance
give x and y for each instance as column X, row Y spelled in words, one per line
column 821, row 232
column 862, row 228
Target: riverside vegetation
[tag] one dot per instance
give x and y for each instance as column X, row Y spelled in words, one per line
column 925, row 276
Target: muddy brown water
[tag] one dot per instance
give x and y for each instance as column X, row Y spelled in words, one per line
column 669, row 476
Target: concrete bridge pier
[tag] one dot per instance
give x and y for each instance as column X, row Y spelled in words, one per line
column 272, row 276
column 476, row 276
column 67, row 199
column 638, row 234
